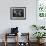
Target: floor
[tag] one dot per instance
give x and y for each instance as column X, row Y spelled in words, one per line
column 13, row 44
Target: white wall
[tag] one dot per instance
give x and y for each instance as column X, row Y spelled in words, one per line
column 24, row 25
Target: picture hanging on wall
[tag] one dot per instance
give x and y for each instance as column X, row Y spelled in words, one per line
column 41, row 8
column 18, row 13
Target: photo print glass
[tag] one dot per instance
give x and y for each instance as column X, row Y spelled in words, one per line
column 18, row 12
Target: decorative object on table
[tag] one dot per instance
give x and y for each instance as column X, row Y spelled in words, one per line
column 14, row 30
column 18, row 13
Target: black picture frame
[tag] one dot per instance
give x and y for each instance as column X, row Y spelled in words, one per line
column 18, row 13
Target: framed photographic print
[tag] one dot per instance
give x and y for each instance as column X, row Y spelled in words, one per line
column 18, row 13
column 41, row 12
column 41, row 8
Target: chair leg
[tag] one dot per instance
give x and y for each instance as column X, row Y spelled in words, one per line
column 5, row 43
column 5, row 39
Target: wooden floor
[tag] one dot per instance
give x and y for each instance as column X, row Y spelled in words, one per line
column 13, row 44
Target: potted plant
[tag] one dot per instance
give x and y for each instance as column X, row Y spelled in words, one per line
column 39, row 35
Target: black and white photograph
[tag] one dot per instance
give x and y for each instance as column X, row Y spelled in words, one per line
column 18, row 13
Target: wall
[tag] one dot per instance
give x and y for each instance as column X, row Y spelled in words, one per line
column 24, row 25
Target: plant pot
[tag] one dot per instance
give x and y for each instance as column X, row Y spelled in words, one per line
column 40, row 41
